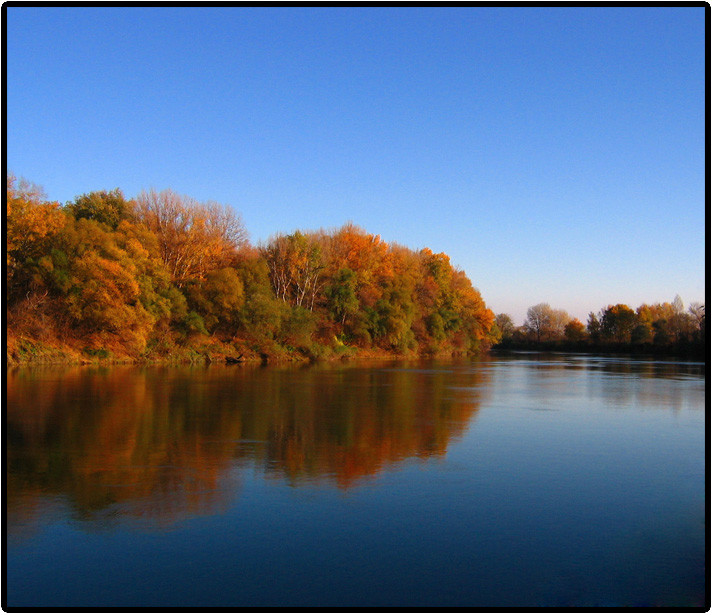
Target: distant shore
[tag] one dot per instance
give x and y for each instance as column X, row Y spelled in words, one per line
column 686, row 351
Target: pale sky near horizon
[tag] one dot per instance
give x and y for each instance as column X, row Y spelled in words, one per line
column 555, row 154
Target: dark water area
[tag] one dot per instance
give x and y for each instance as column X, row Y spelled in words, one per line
column 516, row 481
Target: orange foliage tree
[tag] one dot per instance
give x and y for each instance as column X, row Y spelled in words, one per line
column 194, row 237
column 31, row 224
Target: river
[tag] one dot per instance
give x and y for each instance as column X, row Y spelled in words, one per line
column 515, row 481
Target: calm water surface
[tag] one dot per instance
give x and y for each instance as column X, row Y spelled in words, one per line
column 512, row 481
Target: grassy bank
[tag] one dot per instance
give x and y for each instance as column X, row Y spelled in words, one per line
column 25, row 350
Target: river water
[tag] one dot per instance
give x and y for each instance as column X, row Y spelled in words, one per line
column 520, row 480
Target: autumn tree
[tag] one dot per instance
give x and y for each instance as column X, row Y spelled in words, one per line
column 262, row 312
column 545, row 322
column 669, row 322
column 650, row 313
column 559, row 321
column 295, row 264
column 617, row 323
column 474, row 319
column 31, row 223
column 365, row 254
column 111, row 288
column 194, row 237
column 218, row 298
column 574, row 330
column 108, row 208
column 505, row 325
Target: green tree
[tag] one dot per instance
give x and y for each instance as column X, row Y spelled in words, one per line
column 218, row 299
column 108, row 208
column 436, row 327
column 390, row 323
column 298, row 327
column 341, row 296
column 262, row 313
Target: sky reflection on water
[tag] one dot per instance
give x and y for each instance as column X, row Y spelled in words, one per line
column 510, row 481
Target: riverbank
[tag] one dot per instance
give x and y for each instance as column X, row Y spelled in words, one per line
column 25, row 351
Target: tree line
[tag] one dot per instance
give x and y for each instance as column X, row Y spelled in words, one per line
column 164, row 275
column 655, row 328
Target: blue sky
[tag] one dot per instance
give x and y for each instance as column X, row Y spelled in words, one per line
column 556, row 154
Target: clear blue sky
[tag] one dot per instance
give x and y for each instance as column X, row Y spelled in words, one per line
column 556, row 154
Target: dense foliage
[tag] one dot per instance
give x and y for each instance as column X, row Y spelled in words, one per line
column 652, row 328
column 165, row 276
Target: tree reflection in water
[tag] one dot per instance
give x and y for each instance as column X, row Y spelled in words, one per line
column 157, row 444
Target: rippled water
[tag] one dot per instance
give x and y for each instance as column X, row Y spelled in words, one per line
column 520, row 480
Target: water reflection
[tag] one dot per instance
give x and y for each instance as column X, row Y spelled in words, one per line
column 157, row 445
column 563, row 381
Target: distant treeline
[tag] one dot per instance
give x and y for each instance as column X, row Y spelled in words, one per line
column 660, row 328
column 163, row 276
